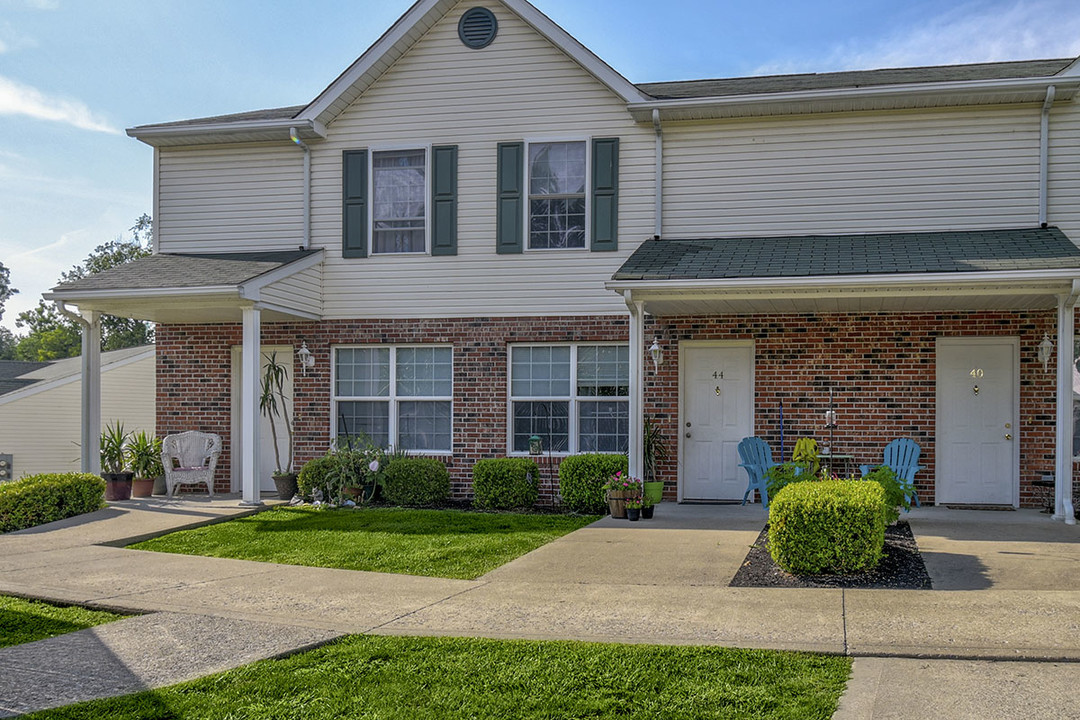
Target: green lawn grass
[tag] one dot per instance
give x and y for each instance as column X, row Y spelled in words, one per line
column 23, row 621
column 405, row 678
column 435, row 543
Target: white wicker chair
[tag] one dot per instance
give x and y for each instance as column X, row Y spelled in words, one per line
column 190, row 458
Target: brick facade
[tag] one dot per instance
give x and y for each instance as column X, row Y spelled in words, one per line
column 881, row 368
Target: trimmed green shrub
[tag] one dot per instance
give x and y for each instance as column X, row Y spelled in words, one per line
column 505, row 483
column 315, row 474
column 582, row 478
column 416, row 481
column 832, row 526
column 39, row 499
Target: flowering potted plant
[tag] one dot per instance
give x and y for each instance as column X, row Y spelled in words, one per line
column 619, row 487
column 633, row 506
column 647, row 504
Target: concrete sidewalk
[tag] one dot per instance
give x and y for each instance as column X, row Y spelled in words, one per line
column 658, row 581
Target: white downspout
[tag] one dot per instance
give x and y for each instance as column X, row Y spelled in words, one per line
column 658, row 226
column 1044, row 154
column 90, row 382
column 1063, row 474
column 637, row 385
column 295, row 137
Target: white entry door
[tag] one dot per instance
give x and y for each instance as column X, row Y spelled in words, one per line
column 717, row 412
column 978, row 436
column 266, row 461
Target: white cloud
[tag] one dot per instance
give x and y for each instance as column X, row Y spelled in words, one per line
column 43, row 4
column 972, row 33
column 12, row 40
column 19, row 99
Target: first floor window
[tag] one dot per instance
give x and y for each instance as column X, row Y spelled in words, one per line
column 398, row 217
column 576, row 398
column 395, row 396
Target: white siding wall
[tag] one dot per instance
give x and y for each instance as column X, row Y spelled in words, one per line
column 859, row 172
column 302, row 291
column 230, row 198
column 42, row 430
column 441, row 92
column 1064, row 198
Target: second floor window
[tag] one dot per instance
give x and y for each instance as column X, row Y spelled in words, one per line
column 557, row 181
column 399, row 184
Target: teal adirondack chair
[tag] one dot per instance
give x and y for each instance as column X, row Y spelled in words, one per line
column 902, row 457
column 756, row 459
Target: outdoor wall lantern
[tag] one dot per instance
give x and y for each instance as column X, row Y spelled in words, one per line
column 307, row 360
column 657, row 354
column 536, row 445
column 1045, row 348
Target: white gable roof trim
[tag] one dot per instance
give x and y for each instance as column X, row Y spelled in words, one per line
column 352, row 83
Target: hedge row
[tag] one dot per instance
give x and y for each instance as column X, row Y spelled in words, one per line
column 39, row 499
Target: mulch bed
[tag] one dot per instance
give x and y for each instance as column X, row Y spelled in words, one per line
column 902, row 567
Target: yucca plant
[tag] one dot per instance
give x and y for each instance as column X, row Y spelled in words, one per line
column 114, row 440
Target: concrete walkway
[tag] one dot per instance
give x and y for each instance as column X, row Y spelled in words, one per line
column 1011, row 590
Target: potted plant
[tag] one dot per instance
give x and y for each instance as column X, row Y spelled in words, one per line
column 274, row 404
column 654, row 452
column 633, row 507
column 620, row 487
column 114, row 441
column 355, row 473
column 647, row 506
column 144, row 459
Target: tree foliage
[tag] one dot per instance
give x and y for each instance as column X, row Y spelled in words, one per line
column 51, row 336
column 6, row 290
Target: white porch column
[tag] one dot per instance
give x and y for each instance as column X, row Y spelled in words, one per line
column 637, row 386
column 90, row 439
column 1063, row 472
column 248, row 452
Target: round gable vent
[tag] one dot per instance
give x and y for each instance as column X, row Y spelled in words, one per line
column 477, row 27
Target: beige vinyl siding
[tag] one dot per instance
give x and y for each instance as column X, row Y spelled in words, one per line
column 230, row 198
column 41, row 429
column 519, row 88
column 858, row 172
column 1063, row 206
column 302, row 291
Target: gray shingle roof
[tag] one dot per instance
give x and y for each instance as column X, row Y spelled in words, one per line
column 10, row 371
column 874, row 254
column 285, row 113
column 186, row 270
column 852, row 79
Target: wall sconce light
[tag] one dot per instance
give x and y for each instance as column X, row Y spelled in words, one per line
column 1045, row 348
column 657, row 354
column 307, row 360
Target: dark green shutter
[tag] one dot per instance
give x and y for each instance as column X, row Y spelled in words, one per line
column 354, row 220
column 605, row 194
column 510, row 220
column 444, row 200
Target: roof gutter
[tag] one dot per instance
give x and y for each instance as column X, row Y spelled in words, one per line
column 1066, row 86
column 150, row 134
column 1044, row 152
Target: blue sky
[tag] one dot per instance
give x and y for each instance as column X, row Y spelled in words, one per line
column 75, row 73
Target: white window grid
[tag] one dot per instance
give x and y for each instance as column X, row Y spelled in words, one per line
column 372, row 151
column 392, row 398
column 528, row 191
column 574, row 400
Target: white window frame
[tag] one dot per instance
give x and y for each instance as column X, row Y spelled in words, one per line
column 574, row 400
column 588, row 191
column 372, row 150
column 392, row 397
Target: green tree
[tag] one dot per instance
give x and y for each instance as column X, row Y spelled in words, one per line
column 6, row 290
column 51, row 336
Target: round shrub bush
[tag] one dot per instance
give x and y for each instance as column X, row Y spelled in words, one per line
column 582, row 478
column 416, row 481
column 505, row 483
column 314, row 474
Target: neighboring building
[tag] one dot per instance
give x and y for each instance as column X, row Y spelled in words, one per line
column 39, row 406
column 480, row 228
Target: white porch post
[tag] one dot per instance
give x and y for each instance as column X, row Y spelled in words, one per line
column 248, row 452
column 637, row 385
column 90, row 440
column 1063, row 473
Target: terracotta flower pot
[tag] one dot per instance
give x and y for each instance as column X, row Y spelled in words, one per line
column 142, row 487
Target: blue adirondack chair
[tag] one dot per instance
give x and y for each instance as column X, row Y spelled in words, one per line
column 756, row 459
column 902, row 457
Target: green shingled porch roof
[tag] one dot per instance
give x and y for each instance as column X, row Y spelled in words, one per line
column 870, row 254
